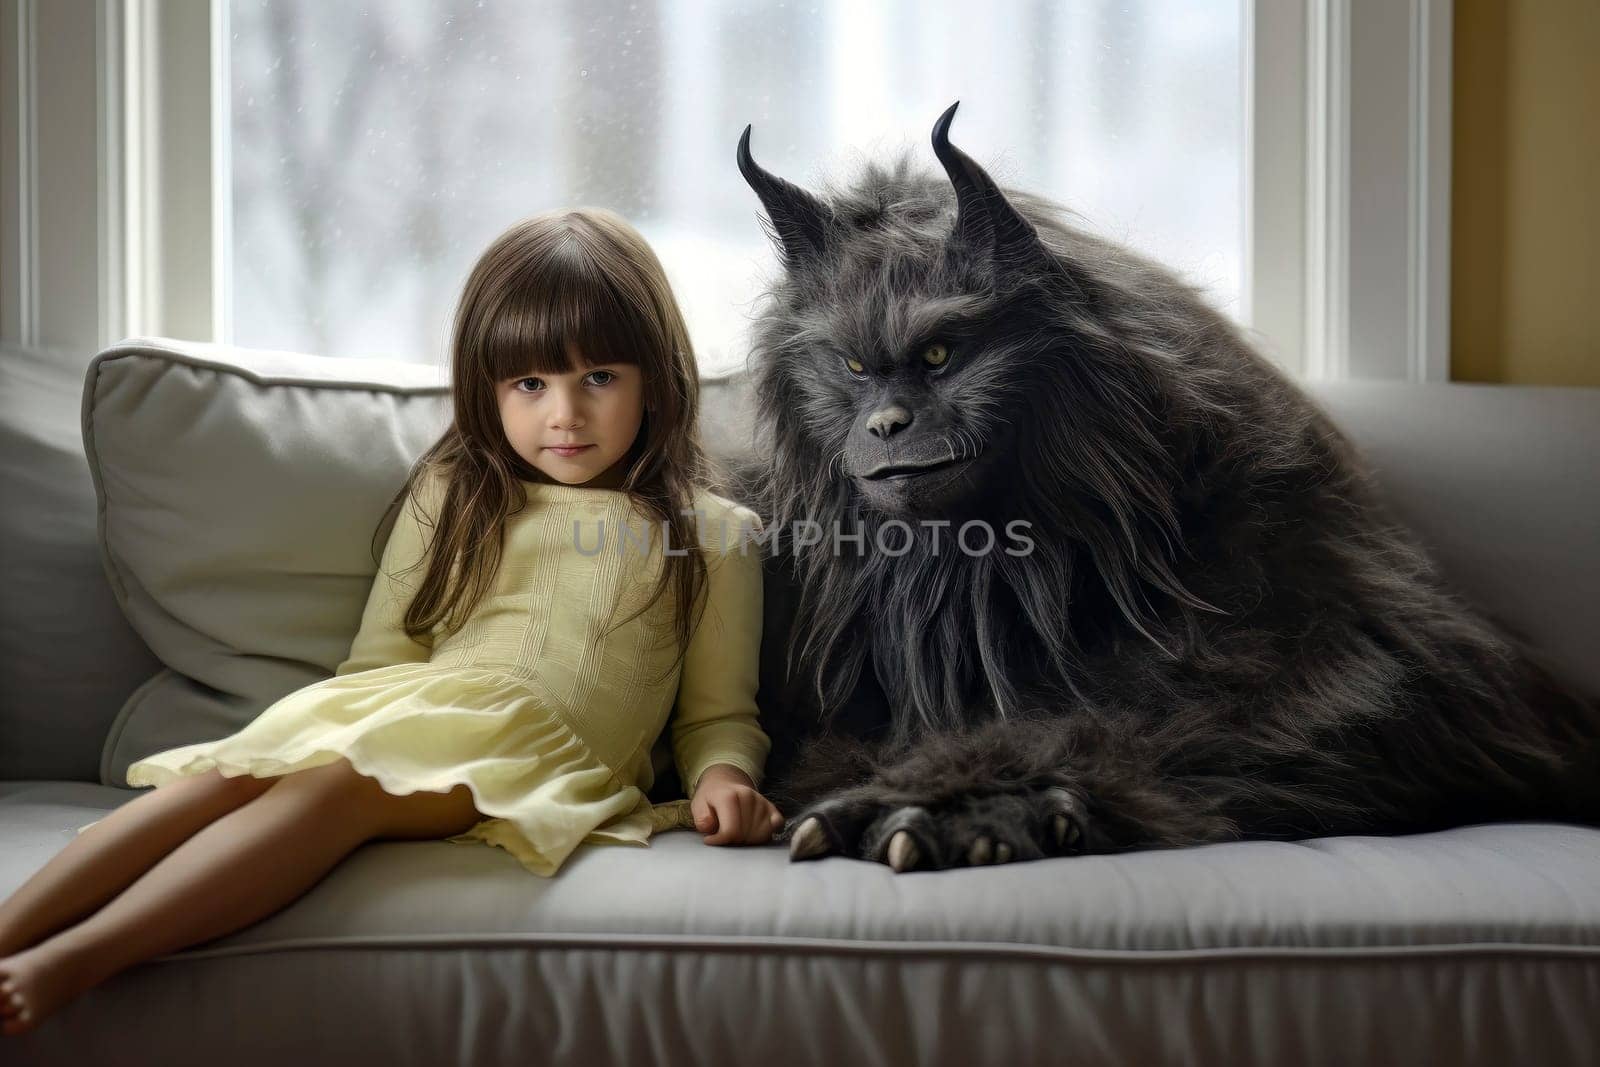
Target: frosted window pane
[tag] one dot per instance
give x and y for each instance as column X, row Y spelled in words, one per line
column 377, row 148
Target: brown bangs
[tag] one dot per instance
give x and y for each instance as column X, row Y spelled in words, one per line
column 573, row 301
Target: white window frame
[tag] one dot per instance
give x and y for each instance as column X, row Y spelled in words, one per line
column 1344, row 96
column 1349, row 94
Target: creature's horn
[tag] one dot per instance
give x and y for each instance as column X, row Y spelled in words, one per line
column 985, row 219
column 799, row 219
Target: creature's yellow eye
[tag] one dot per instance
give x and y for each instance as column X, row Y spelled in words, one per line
column 935, row 355
column 855, row 365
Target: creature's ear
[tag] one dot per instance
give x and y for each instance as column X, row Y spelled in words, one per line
column 799, row 219
column 985, row 219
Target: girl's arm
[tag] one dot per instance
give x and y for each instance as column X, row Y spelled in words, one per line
column 716, row 715
column 382, row 639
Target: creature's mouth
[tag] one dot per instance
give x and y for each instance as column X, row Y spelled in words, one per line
column 900, row 471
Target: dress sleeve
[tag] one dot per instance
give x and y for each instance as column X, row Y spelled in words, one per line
column 715, row 720
column 382, row 640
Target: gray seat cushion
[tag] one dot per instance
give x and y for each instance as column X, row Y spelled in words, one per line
column 1479, row 944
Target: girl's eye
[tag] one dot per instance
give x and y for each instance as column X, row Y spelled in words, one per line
column 609, row 375
column 935, row 355
column 855, row 365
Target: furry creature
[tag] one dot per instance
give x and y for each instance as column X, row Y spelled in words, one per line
column 1219, row 631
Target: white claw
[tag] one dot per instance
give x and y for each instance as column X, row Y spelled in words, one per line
column 981, row 852
column 902, row 851
column 1063, row 827
column 809, row 840
column 1002, row 853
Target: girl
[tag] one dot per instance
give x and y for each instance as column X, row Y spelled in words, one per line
column 510, row 696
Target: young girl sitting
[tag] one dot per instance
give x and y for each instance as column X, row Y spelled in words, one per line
column 574, row 581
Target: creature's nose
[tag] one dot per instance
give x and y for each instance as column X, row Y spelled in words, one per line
column 888, row 421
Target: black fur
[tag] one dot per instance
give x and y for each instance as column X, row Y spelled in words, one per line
column 1220, row 631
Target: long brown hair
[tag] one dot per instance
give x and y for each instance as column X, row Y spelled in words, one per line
column 582, row 275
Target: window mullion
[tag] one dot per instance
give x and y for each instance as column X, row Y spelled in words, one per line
column 1274, row 183
column 169, row 170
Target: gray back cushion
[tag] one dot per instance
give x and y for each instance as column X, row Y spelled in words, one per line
column 1502, row 485
column 239, row 491
column 68, row 658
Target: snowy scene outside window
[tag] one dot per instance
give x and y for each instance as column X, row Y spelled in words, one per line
column 377, row 148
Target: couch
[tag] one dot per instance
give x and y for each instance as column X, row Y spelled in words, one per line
column 186, row 534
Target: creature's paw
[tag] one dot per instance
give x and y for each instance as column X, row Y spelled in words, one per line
column 967, row 831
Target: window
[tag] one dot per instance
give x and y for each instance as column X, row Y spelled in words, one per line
column 374, row 150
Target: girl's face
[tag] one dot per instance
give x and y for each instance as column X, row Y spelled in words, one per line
column 600, row 407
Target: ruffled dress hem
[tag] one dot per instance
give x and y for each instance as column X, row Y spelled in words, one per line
column 493, row 830
column 542, row 792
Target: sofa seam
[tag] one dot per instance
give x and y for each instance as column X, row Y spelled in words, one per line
column 119, row 725
column 151, row 347
column 847, row 946
column 86, row 407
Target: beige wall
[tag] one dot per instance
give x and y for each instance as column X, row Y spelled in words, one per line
column 1525, row 193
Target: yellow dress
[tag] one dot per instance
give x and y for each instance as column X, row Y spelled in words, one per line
column 549, row 723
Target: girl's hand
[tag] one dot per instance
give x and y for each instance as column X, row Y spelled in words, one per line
column 728, row 809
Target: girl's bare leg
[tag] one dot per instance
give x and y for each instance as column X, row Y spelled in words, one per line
column 242, row 868
column 105, row 859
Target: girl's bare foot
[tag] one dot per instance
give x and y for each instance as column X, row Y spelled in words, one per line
column 33, row 985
